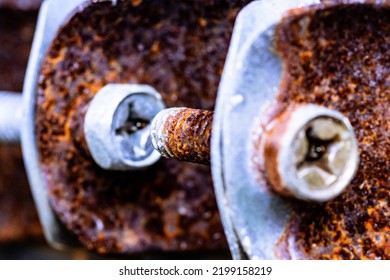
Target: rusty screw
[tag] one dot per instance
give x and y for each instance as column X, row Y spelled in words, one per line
column 183, row 134
column 311, row 153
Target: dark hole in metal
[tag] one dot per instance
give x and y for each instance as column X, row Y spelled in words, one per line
column 317, row 147
column 132, row 123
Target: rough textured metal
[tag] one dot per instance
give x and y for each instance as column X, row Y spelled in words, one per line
column 52, row 15
column 117, row 126
column 249, row 82
column 315, row 43
column 179, row 48
column 18, row 217
column 183, row 134
column 310, row 152
column 336, row 56
column 343, row 54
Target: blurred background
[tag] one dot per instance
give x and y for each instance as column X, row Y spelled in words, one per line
column 21, row 234
column 19, row 224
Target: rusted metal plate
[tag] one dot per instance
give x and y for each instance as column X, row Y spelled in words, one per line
column 338, row 56
column 18, row 217
column 179, row 48
column 335, row 55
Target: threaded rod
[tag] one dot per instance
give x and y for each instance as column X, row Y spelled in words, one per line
column 183, row 134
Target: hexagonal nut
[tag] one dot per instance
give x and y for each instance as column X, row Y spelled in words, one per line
column 117, row 126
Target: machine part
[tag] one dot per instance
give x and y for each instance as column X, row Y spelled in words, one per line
column 183, row 134
column 333, row 55
column 117, row 126
column 179, row 48
column 310, row 152
column 10, row 117
column 355, row 82
column 51, row 15
column 18, row 216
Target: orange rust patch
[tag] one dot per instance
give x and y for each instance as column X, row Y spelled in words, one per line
column 338, row 56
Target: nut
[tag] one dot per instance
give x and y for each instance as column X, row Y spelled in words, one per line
column 117, row 126
column 311, row 153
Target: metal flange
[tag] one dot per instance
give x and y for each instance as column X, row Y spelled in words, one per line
column 307, row 56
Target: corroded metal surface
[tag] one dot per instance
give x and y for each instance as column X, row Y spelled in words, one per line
column 183, row 134
column 310, row 152
column 18, row 217
column 178, row 48
column 338, row 56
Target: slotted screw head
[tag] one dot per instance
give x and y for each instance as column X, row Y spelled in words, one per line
column 117, row 126
column 311, row 152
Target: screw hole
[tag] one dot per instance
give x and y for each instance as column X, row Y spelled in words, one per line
column 317, row 147
column 132, row 123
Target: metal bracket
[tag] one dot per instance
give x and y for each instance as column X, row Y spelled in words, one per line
column 253, row 219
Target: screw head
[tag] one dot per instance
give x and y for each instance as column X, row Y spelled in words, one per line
column 117, row 126
column 314, row 153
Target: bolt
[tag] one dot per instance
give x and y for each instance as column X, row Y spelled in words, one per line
column 10, row 117
column 310, row 152
column 117, row 126
column 183, row 134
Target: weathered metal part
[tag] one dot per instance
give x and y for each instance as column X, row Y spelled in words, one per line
column 10, row 117
column 179, row 48
column 336, row 56
column 117, row 126
column 183, row 134
column 52, row 14
column 18, row 217
column 354, row 81
column 310, row 152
